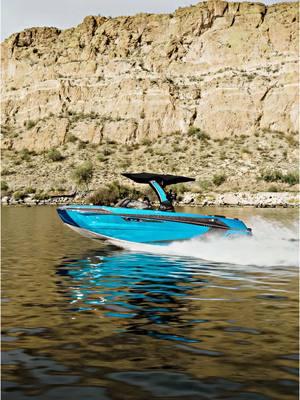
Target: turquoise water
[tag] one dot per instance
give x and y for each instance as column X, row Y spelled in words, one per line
column 83, row 320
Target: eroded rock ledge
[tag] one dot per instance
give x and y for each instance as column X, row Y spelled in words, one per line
column 226, row 68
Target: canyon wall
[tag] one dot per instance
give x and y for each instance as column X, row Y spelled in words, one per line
column 226, row 68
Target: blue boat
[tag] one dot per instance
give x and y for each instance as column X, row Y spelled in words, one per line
column 139, row 222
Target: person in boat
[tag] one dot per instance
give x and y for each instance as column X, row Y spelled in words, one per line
column 171, row 196
column 147, row 201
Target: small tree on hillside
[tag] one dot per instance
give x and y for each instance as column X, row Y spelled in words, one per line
column 83, row 174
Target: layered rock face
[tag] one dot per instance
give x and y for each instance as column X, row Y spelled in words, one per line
column 226, row 68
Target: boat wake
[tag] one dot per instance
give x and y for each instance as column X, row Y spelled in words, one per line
column 271, row 245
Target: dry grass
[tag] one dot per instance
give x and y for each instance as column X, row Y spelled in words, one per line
column 241, row 159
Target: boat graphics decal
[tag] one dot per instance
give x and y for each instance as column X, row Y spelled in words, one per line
column 208, row 222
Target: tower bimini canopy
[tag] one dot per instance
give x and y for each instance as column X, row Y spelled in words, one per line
column 163, row 180
column 158, row 182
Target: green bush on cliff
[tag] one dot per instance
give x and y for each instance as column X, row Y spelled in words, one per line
column 6, row 171
column 205, row 185
column 55, row 155
column 271, row 176
column 4, row 186
column 219, row 179
column 29, row 190
column 25, row 155
column 18, row 195
column 71, row 138
column 273, row 188
column 291, row 178
column 81, row 145
column 101, row 158
column 41, row 196
column 104, row 195
column 30, row 124
column 201, row 135
column 111, row 193
column 83, row 174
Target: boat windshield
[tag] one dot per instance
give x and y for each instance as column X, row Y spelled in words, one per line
column 130, row 203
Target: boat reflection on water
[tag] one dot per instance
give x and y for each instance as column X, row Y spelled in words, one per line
column 86, row 321
column 146, row 290
column 169, row 324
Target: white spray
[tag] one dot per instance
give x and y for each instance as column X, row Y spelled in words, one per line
column 271, row 245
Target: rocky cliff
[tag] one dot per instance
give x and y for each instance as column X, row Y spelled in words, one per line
column 227, row 70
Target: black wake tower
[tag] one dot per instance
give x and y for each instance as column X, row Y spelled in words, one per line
column 158, row 182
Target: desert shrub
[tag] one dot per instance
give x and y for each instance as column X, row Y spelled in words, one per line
column 55, row 155
column 29, row 190
column 25, row 155
column 205, row 184
column 223, row 155
column 104, row 195
column 125, row 164
column 107, row 152
column 18, row 195
column 179, row 188
column 292, row 178
column 219, row 179
column 4, row 186
column 201, row 135
column 146, row 142
column 81, row 145
column 30, row 124
column 176, row 133
column 41, row 196
column 101, row 158
column 271, row 176
column 111, row 193
column 6, row 171
column 246, row 151
column 71, row 138
column 83, row 174
column 192, row 130
column 292, row 141
column 273, row 188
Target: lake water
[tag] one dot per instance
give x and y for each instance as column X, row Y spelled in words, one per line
column 82, row 320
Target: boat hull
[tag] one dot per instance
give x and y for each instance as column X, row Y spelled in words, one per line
column 145, row 226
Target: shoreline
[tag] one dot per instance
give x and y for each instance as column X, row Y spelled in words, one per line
column 230, row 199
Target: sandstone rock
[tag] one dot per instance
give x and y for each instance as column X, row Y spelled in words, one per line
column 189, row 198
column 262, row 199
column 227, row 68
column 5, row 200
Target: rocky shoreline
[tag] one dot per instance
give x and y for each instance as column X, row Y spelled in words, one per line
column 240, row 199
